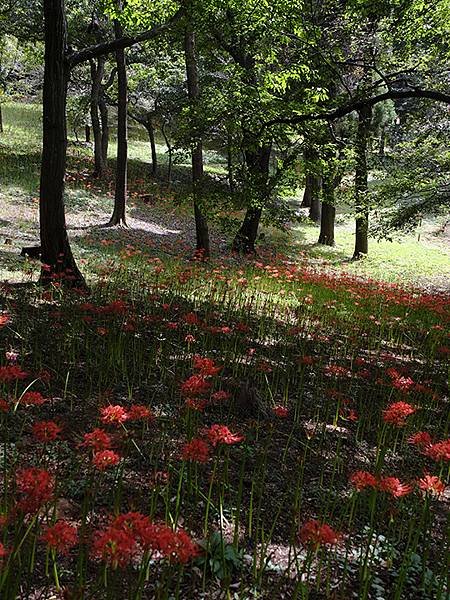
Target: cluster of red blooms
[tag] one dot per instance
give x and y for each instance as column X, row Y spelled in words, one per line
column 196, row 385
column 206, row 366
column 61, row 537
column 313, row 533
column 197, row 450
column 404, row 384
column 105, row 459
column 437, row 451
column 220, row 434
column 32, row 399
column 132, row 534
column 12, row 373
column 116, row 414
column 397, row 412
column 35, row 487
column 46, row 431
column 393, row 486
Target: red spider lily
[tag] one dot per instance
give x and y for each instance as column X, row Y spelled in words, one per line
column 196, row 450
column 220, row 434
column 35, row 487
column 205, row 366
column 105, row 459
column 363, row 479
column 4, row 319
column 422, row 439
column 46, row 431
column 3, row 551
column 439, row 451
column 394, row 486
column 138, row 412
column 12, row 373
column 4, row 406
column 191, row 319
column 190, row 339
column 97, row 439
column 116, row 547
column 404, row 384
column 61, row 537
column 397, row 412
column 280, row 411
column 11, row 356
column 196, row 385
column 220, row 396
column 431, row 484
column 113, row 415
column 198, row 404
column 315, row 534
column 32, row 399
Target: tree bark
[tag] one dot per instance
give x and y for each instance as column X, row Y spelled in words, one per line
column 306, row 202
column 1, row 119
column 151, row 135
column 315, row 208
column 169, row 151
column 258, row 169
column 104, row 120
column 87, row 133
column 326, row 236
column 201, row 225
column 119, row 217
column 97, row 73
column 361, row 183
column 58, row 261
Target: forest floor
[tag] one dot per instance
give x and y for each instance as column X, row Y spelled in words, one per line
column 159, row 214
column 288, row 412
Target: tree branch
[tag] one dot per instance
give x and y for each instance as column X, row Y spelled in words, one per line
column 81, row 56
column 359, row 104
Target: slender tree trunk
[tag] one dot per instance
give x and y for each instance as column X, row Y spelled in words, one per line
column 315, row 208
column 97, row 73
column 328, row 216
column 151, row 135
column 230, row 163
column 169, row 151
column 118, row 217
column 201, row 225
column 258, row 169
column 306, row 202
column 58, row 261
column 87, row 133
column 104, row 119
column 1, row 119
column 361, row 185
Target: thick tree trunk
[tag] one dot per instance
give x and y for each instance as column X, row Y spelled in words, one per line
column 87, row 133
column 97, row 73
column 151, row 136
column 328, row 216
column 315, row 209
column 118, row 217
column 56, row 254
column 201, row 225
column 361, row 186
column 258, row 170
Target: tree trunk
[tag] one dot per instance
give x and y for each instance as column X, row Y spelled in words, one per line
column 361, row 186
column 87, row 133
column 1, row 119
column 58, row 261
column 118, row 217
column 97, row 73
column 326, row 236
column 306, row 202
column 151, row 135
column 314, row 209
column 201, row 225
column 103, row 108
column 169, row 151
column 258, row 168
column 230, row 163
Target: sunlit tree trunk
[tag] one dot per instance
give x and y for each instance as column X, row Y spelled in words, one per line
column 361, row 183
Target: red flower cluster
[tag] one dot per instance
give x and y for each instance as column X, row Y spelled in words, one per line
column 316, row 534
column 280, row 411
column 113, row 415
column 105, row 459
column 61, row 537
column 12, row 373
column 133, row 533
column 220, row 434
column 139, row 412
column 431, row 484
column 391, row 485
column 422, row 439
column 196, row 385
column 197, row 450
column 46, row 431
column 397, row 412
column 35, row 487
column 206, row 366
column 220, row 396
column 32, row 399
column 97, row 439
column 439, row 451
